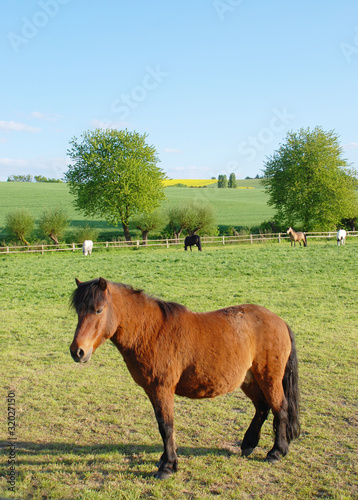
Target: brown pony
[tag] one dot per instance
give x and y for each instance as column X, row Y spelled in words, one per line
column 169, row 350
column 297, row 236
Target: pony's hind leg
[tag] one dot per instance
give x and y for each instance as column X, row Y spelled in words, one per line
column 275, row 397
column 280, row 447
column 252, row 436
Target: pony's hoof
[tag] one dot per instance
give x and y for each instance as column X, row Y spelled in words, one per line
column 163, row 474
column 247, row 451
column 272, row 459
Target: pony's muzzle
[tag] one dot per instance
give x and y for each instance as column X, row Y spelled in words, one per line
column 79, row 356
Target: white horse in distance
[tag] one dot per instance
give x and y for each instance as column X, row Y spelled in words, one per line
column 341, row 237
column 87, row 247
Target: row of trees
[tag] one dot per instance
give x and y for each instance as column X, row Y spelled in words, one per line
column 52, row 224
column 224, row 183
column 188, row 219
column 29, row 178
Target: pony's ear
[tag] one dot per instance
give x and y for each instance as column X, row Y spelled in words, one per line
column 102, row 283
column 78, row 282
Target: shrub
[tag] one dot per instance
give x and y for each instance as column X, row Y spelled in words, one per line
column 53, row 223
column 20, row 224
column 87, row 232
column 149, row 222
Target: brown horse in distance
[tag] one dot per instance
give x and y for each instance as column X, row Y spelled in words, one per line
column 297, row 236
column 169, row 350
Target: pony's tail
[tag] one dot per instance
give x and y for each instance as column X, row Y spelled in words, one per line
column 290, row 387
column 199, row 244
column 305, row 243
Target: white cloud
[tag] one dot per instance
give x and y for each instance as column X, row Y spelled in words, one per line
column 48, row 117
column 172, row 150
column 10, row 126
column 351, row 145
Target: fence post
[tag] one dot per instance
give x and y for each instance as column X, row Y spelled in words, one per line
column 250, row 238
column 42, row 249
column 167, row 243
column 7, row 250
column 106, row 244
column 137, row 243
column 73, row 247
column 279, row 237
column 223, row 240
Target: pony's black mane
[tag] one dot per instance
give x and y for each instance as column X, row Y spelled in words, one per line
column 88, row 294
column 169, row 308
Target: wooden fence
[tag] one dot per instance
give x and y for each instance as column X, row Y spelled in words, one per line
column 206, row 240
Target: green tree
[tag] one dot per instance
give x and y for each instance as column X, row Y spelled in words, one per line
column 309, row 183
column 53, row 223
column 222, row 181
column 20, row 224
column 114, row 175
column 232, row 181
column 192, row 218
column 149, row 222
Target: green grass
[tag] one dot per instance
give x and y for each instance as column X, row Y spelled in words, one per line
column 88, row 432
column 232, row 207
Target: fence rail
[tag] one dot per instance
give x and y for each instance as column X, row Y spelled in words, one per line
column 206, row 240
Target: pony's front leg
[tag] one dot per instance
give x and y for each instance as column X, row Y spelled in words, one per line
column 163, row 404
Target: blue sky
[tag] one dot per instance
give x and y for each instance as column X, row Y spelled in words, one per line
column 216, row 84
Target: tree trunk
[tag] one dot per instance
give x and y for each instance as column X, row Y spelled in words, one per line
column 125, row 223
column 177, row 234
column 126, row 231
column 54, row 238
column 22, row 238
column 145, row 237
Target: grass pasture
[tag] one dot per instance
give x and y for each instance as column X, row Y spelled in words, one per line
column 88, row 432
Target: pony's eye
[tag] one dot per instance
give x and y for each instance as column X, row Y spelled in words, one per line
column 99, row 311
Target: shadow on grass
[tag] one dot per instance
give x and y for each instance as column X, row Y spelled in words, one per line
column 33, row 454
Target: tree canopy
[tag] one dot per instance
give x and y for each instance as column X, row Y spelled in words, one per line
column 53, row 222
column 232, row 181
column 309, row 183
column 222, row 181
column 20, row 224
column 114, row 175
column 149, row 222
column 191, row 218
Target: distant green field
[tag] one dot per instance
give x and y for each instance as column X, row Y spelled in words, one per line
column 242, row 207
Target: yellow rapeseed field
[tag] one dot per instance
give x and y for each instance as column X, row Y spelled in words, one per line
column 189, row 182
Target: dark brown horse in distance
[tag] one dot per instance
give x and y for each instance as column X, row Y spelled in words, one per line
column 297, row 236
column 192, row 240
column 169, row 350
